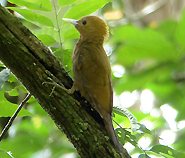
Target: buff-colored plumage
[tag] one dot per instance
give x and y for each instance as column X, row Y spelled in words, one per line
column 92, row 71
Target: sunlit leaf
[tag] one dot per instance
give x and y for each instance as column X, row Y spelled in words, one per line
column 62, row 3
column 44, row 5
column 12, row 78
column 13, row 92
column 53, row 33
column 71, row 34
column 85, row 8
column 46, row 39
column 34, row 17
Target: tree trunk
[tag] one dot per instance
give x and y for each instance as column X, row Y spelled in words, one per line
column 33, row 63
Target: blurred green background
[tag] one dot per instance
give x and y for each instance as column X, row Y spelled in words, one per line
column 146, row 48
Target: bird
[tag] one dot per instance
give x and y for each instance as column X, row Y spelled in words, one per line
column 92, row 70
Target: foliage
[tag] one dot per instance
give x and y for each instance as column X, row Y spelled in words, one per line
column 153, row 58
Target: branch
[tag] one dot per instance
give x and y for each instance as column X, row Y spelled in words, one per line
column 32, row 63
column 8, row 125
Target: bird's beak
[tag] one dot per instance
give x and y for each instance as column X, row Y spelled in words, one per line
column 71, row 21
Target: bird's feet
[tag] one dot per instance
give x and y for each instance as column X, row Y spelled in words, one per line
column 69, row 91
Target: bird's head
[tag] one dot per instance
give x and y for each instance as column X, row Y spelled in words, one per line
column 90, row 27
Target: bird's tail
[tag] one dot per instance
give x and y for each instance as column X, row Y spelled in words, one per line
column 111, row 133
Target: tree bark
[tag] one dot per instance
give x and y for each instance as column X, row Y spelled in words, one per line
column 32, row 63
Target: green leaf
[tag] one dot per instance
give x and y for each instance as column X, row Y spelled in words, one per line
column 124, row 112
column 7, row 109
column 13, row 92
column 125, row 136
column 168, row 28
column 67, row 58
column 22, row 88
column 166, row 150
column 34, row 17
column 53, row 33
column 62, row 3
column 46, row 39
column 121, row 133
column 85, row 8
column 141, row 44
column 71, row 34
column 12, row 78
column 180, row 33
column 43, row 5
column 4, row 76
column 147, row 131
column 131, row 138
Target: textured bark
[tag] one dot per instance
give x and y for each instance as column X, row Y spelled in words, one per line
column 32, row 63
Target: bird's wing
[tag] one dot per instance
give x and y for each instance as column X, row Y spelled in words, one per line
column 92, row 76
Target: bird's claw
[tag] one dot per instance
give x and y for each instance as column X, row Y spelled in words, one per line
column 69, row 91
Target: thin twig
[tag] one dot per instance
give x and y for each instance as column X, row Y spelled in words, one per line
column 56, row 14
column 130, row 16
column 8, row 125
column 149, row 9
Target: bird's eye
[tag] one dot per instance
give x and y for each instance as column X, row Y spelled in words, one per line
column 84, row 22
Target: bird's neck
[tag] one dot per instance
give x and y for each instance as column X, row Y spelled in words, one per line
column 93, row 39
